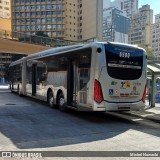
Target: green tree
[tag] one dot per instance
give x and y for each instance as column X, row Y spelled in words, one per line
column 150, row 52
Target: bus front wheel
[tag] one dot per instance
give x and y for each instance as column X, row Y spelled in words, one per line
column 61, row 102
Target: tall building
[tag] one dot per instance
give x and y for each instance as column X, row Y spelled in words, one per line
column 106, row 4
column 141, row 25
column 115, row 25
column 156, row 35
column 5, row 10
column 128, row 6
column 5, row 18
column 67, row 19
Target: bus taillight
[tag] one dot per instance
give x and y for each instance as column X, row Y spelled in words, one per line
column 98, row 96
column 144, row 95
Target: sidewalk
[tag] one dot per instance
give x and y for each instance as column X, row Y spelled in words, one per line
column 150, row 113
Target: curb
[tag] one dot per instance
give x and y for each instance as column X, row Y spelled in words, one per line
column 154, row 118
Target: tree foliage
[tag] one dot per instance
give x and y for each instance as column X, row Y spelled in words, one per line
column 150, row 52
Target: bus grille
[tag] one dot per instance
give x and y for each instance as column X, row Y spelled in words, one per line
column 124, row 108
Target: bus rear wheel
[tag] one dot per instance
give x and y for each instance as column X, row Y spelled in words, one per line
column 61, row 103
column 50, row 99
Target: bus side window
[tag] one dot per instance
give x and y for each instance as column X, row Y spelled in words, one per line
column 16, row 74
column 62, row 64
column 29, row 72
column 84, row 68
column 85, row 60
column 42, row 72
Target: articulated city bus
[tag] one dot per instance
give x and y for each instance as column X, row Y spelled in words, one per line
column 86, row 77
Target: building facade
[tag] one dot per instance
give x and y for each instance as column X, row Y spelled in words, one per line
column 5, row 9
column 141, row 26
column 63, row 19
column 115, row 25
column 13, row 50
column 129, row 7
column 156, row 35
column 5, row 19
column 106, row 4
column 5, row 28
column 5, row 60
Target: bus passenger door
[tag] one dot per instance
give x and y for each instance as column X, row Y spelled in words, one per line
column 34, row 79
column 78, row 79
column 84, row 75
column 71, row 83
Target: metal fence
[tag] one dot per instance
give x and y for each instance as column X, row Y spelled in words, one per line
column 40, row 40
column 153, row 58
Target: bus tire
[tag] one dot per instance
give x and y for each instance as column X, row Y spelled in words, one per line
column 50, row 99
column 61, row 103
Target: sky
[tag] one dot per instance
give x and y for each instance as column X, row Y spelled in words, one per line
column 154, row 4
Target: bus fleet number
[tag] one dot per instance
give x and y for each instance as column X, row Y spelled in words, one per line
column 125, row 55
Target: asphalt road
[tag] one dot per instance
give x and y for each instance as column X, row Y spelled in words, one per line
column 30, row 125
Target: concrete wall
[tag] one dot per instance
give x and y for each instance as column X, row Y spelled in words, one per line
column 9, row 46
column 5, row 24
column 5, row 28
column 92, row 19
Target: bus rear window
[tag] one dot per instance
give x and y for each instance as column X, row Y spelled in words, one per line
column 124, row 63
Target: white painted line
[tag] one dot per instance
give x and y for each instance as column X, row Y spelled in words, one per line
column 137, row 119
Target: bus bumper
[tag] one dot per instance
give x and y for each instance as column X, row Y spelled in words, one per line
column 107, row 106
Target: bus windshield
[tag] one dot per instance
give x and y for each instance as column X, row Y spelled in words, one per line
column 124, row 63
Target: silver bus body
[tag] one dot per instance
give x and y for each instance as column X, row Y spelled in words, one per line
column 84, row 77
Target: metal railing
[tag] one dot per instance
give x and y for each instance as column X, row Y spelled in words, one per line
column 153, row 58
column 40, row 40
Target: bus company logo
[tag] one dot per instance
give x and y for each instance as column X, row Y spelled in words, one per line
column 134, row 89
column 116, row 91
column 113, row 83
column 128, row 84
column 123, row 85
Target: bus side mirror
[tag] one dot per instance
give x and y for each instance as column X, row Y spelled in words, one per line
column 99, row 50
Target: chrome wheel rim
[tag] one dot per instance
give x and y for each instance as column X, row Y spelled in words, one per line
column 61, row 101
column 51, row 99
